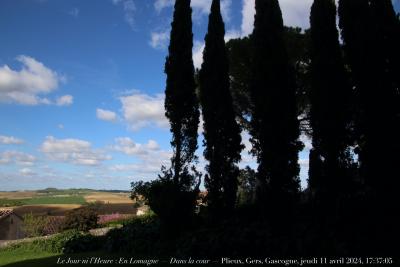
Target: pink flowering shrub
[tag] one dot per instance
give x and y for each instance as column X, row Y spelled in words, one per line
column 104, row 219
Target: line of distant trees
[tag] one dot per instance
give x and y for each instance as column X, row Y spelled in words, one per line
column 278, row 83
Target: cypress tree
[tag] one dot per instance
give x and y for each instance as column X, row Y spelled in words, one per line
column 369, row 48
column 181, row 104
column 221, row 132
column 388, row 37
column 329, row 99
column 275, row 128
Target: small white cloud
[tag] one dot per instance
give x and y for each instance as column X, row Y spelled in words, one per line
column 198, row 48
column 17, row 157
column 296, row 13
column 306, row 141
column 248, row 12
column 60, row 126
column 10, row 140
column 247, row 157
column 65, row 100
column 129, row 10
column 106, row 115
column 200, row 8
column 27, row 172
column 127, row 146
column 74, row 12
column 26, row 85
column 159, row 40
column 73, row 151
column 226, row 10
column 159, row 5
column 148, row 165
column 232, row 34
column 142, row 110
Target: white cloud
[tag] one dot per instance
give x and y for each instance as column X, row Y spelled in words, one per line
column 73, row 151
column 10, row 140
column 226, row 10
column 128, row 146
column 159, row 5
column 149, row 164
column 26, row 85
column 296, row 13
column 60, row 126
column 74, row 12
column 142, row 110
column 198, row 48
column 65, row 100
column 248, row 12
column 247, row 157
column 129, row 10
column 159, row 40
column 106, row 115
column 200, row 8
column 306, row 141
column 26, row 172
column 17, row 157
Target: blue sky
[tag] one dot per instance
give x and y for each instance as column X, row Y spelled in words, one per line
column 81, row 87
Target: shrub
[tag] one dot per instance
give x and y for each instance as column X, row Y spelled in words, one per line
column 70, row 241
column 173, row 204
column 82, row 242
column 82, row 219
column 140, row 235
column 34, row 225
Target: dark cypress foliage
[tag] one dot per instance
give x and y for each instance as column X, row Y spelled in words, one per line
column 388, row 58
column 367, row 30
column 388, row 38
column 181, row 104
column 329, row 99
column 275, row 128
column 221, row 131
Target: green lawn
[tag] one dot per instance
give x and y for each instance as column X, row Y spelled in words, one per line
column 21, row 255
column 24, row 258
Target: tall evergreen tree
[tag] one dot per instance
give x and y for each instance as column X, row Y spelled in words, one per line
column 275, row 128
column 221, row 132
column 365, row 26
column 365, row 36
column 329, row 99
column 181, row 104
column 388, row 38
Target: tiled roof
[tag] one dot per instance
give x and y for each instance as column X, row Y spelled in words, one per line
column 53, row 225
column 5, row 212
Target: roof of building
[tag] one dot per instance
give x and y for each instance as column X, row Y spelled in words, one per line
column 5, row 212
column 53, row 224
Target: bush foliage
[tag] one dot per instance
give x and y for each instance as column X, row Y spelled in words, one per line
column 82, row 219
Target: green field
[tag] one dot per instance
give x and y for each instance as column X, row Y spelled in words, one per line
column 72, row 199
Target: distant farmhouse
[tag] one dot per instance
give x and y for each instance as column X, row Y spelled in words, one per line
column 10, row 225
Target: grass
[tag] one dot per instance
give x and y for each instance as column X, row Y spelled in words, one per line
column 22, row 254
column 50, row 260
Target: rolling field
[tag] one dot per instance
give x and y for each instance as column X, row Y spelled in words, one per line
column 5, row 202
column 57, row 202
column 111, row 198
